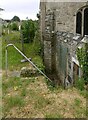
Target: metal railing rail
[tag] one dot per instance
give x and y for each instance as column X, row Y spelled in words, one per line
column 26, row 59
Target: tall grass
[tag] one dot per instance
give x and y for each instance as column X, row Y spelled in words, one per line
column 14, row 101
column 79, row 84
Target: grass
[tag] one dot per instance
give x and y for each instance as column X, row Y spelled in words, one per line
column 14, row 101
column 77, row 102
column 11, row 82
column 23, row 92
column 83, row 93
column 12, row 37
column 16, row 83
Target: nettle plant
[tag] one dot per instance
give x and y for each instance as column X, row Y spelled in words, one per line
column 82, row 55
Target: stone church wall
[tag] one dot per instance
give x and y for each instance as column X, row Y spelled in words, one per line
column 59, row 28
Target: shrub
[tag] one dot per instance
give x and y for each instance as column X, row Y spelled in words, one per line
column 28, row 30
column 37, row 43
column 79, row 84
column 82, row 55
column 14, row 26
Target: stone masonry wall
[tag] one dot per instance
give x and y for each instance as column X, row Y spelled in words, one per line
column 49, row 46
column 66, row 46
column 65, row 13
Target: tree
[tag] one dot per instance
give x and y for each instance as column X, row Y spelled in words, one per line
column 14, row 26
column 28, row 30
column 25, row 31
column 82, row 55
column 16, row 18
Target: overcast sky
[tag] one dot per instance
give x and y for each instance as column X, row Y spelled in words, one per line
column 20, row 8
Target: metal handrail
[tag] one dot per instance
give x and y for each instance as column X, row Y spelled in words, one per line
column 26, row 59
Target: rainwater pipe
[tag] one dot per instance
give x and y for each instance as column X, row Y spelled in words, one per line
column 26, row 59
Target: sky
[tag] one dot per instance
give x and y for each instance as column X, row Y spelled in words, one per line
column 20, row 8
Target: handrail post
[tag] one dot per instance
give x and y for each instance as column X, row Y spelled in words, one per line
column 6, row 65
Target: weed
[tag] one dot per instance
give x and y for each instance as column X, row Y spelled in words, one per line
column 77, row 102
column 39, row 63
column 13, row 101
column 80, row 84
column 52, row 86
column 83, row 93
column 42, row 102
column 23, row 92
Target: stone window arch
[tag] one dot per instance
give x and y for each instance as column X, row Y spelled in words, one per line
column 86, row 21
column 79, row 23
column 82, row 21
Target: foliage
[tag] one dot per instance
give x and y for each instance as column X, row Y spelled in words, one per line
column 37, row 43
column 39, row 63
column 14, row 26
column 82, row 55
column 25, row 31
column 77, row 102
column 23, row 92
column 28, row 30
column 80, row 84
column 16, row 18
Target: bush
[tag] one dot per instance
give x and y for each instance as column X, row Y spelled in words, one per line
column 82, row 55
column 28, row 30
column 80, row 83
column 14, row 26
column 37, row 43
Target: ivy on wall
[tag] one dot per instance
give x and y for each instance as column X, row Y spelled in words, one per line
column 82, row 55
